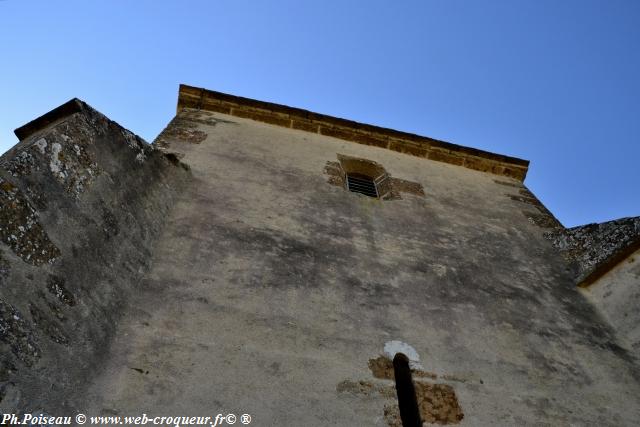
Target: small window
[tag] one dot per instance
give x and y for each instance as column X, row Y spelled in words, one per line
column 362, row 184
column 369, row 178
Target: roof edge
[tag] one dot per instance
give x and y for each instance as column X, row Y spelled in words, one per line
column 68, row 108
column 609, row 264
column 404, row 142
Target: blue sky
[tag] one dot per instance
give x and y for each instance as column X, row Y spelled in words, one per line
column 554, row 82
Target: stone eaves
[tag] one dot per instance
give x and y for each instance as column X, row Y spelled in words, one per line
column 295, row 118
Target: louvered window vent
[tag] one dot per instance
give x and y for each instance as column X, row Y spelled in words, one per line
column 362, row 184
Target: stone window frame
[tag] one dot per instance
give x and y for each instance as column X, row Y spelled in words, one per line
column 387, row 187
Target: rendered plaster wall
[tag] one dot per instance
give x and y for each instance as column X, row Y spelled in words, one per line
column 81, row 202
column 617, row 295
column 275, row 293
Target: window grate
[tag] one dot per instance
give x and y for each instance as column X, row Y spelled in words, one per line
column 362, row 184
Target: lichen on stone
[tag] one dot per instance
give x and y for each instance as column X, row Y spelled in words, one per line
column 20, row 228
column 22, row 163
column 7, row 369
column 70, row 163
column 56, row 166
column 591, row 245
column 17, row 332
column 41, row 144
column 54, row 307
column 137, row 144
column 66, row 159
column 4, row 268
column 110, row 223
column 56, row 286
column 48, row 326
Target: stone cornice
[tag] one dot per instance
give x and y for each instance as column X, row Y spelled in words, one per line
column 296, row 118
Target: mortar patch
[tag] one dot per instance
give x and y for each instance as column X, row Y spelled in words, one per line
column 182, row 128
column 438, row 403
column 382, row 367
column 366, row 388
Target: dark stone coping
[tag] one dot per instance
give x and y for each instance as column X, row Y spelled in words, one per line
column 53, row 116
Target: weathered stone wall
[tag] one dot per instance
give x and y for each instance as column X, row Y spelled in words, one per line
column 82, row 200
column 617, row 295
column 603, row 258
column 256, row 283
column 275, row 292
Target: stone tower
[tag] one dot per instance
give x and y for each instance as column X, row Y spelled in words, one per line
column 305, row 270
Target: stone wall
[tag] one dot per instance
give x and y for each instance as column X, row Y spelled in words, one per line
column 594, row 249
column 617, row 295
column 273, row 288
column 82, row 200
